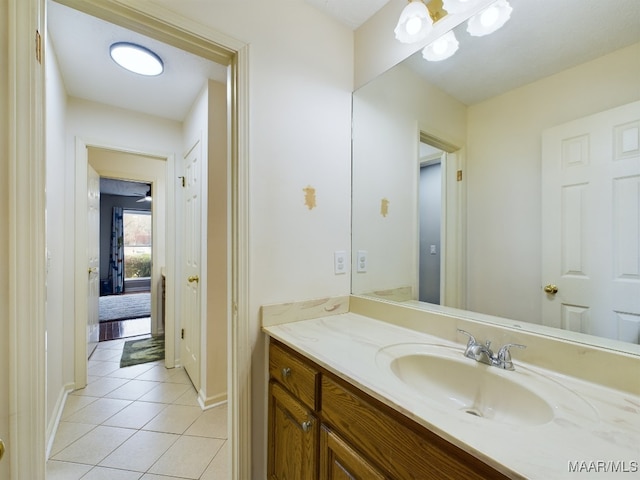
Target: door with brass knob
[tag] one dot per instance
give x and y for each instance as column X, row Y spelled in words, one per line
column 551, row 289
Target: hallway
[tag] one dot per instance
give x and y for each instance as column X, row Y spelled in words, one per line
column 137, row 423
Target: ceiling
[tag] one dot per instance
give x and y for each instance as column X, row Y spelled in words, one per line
column 589, row 28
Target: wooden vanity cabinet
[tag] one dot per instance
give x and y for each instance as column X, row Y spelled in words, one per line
column 293, row 423
column 323, row 427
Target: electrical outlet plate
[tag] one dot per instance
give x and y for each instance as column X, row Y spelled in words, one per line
column 361, row 259
column 340, row 262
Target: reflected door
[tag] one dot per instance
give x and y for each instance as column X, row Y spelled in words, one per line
column 591, row 224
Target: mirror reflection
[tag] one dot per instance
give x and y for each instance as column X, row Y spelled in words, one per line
column 531, row 207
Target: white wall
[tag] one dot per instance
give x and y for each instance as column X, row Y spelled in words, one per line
column 503, row 176
column 59, row 325
column 300, row 80
column 389, row 113
column 5, row 199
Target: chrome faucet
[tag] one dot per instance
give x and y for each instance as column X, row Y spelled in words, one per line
column 483, row 353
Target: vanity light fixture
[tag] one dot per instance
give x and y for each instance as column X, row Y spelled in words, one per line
column 490, row 19
column 442, row 48
column 136, row 58
column 458, row 6
column 414, row 23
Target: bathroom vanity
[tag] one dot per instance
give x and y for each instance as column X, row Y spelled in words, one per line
column 354, row 396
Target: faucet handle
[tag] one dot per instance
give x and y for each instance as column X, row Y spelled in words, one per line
column 504, row 355
column 472, row 339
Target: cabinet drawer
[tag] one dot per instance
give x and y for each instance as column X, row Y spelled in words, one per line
column 385, row 438
column 298, row 377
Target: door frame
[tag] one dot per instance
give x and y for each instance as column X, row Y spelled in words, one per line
column 80, row 239
column 453, row 220
column 26, row 147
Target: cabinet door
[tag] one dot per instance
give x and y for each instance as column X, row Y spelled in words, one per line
column 293, row 437
column 338, row 461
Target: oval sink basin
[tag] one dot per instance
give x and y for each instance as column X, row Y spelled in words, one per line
column 443, row 375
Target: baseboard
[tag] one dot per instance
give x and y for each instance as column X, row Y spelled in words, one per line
column 52, row 426
column 211, row 402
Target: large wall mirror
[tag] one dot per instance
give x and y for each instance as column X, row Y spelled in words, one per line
column 472, row 174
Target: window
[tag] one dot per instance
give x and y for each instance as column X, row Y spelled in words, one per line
column 137, row 244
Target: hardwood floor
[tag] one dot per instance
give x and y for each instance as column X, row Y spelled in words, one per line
column 115, row 329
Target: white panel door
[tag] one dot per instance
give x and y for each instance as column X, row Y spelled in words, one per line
column 192, row 208
column 591, row 224
column 93, row 253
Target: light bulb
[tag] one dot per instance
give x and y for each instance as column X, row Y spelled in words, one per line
column 489, row 16
column 413, row 25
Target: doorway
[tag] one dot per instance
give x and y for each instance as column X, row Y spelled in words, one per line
column 430, row 211
column 28, row 107
column 126, row 247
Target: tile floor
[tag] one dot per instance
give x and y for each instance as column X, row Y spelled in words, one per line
column 137, row 423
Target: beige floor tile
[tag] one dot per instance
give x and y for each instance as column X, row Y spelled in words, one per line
column 179, row 375
column 174, row 419
column 188, row 457
column 166, row 393
column 218, row 469
column 97, row 412
column 75, row 403
column 65, row 471
column 132, row 371
column 212, row 423
column 132, row 390
column 96, row 445
column 151, row 476
column 103, row 473
column 136, row 415
column 157, row 373
column 67, row 433
column 101, row 386
column 102, row 368
column 141, row 451
column 106, row 355
column 190, row 397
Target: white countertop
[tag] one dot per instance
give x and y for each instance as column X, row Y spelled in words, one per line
column 598, row 435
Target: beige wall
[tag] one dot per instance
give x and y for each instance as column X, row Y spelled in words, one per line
column 389, row 114
column 217, row 245
column 59, row 314
column 5, row 200
column 503, row 176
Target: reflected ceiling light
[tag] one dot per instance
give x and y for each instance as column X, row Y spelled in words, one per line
column 458, row 6
column 490, row 19
column 442, row 48
column 136, row 58
column 414, row 23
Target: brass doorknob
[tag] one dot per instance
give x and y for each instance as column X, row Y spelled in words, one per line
column 551, row 289
column 92, row 270
column 193, row 278
column 1, row 449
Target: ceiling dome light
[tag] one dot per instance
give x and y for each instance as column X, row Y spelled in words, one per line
column 414, row 23
column 136, row 59
column 458, row 6
column 442, row 48
column 490, row 19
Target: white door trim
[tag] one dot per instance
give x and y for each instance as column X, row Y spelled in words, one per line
column 80, row 308
column 27, row 258
column 27, row 209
